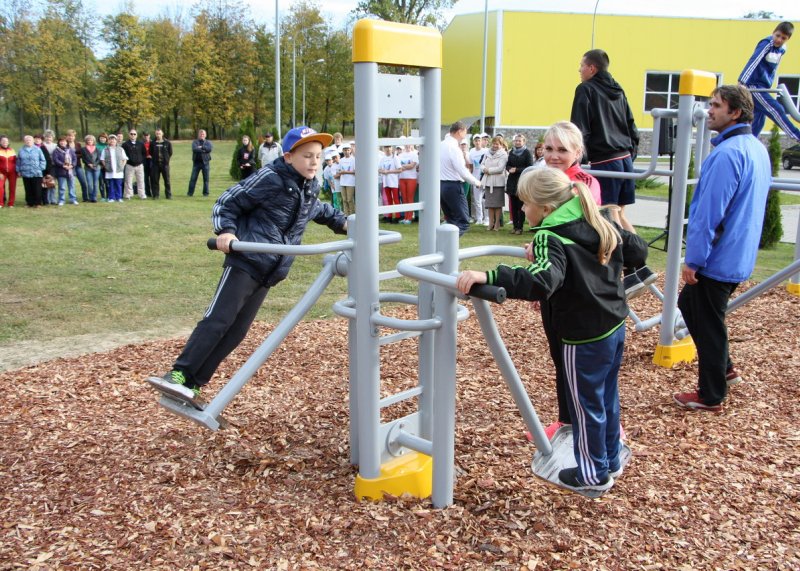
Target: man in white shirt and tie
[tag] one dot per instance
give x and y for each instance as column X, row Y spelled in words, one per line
column 452, row 175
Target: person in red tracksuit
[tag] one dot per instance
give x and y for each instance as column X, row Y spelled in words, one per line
column 8, row 172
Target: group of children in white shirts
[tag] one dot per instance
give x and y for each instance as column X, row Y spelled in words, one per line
column 398, row 167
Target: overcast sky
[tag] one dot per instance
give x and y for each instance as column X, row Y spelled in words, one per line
column 338, row 10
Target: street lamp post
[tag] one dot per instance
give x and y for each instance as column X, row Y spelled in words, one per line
column 277, row 74
column 320, row 60
column 294, row 83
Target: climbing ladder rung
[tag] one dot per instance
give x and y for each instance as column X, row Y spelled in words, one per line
column 400, row 397
column 397, row 337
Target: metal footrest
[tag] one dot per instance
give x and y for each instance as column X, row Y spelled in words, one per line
column 192, row 413
column 562, row 457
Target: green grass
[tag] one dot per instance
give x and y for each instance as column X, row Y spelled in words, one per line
column 103, row 269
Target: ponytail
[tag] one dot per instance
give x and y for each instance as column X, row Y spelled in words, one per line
column 549, row 187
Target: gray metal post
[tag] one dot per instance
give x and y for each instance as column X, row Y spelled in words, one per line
column 429, row 191
column 444, row 389
column 352, row 346
column 365, row 272
column 675, row 237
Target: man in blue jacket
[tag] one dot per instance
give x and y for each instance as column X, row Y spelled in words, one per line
column 724, row 229
column 759, row 73
column 272, row 206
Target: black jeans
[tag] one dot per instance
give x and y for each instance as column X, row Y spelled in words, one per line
column 557, row 355
column 158, row 171
column 703, row 308
column 226, row 322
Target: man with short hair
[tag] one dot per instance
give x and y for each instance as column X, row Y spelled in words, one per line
column 453, row 173
column 601, row 111
column 134, row 149
column 269, row 150
column 201, row 157
column 722, row 236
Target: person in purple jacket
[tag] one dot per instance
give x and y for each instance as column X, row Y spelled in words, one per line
column 759, row 73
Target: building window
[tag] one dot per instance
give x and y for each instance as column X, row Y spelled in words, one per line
column 661, row 89
column 792, row 83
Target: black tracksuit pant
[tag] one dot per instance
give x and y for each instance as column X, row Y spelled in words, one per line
column 557, row 355
column 225, row 324
column 703, row 308
column 157, row 171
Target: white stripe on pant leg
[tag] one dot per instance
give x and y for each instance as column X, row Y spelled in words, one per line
column 586, row 464
column 774, row 114
column 219, row 289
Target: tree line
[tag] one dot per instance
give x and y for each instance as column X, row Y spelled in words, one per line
column 63, row 67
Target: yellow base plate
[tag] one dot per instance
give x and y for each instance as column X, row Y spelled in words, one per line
column 680, row 351
column 793, row 288
column 408, row 474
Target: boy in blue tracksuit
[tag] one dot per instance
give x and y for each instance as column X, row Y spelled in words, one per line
column 759, row 73
column 577, row 257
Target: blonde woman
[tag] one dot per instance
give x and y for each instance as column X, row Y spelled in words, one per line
column 576, row 262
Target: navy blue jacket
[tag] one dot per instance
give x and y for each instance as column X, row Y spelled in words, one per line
column 274, row 206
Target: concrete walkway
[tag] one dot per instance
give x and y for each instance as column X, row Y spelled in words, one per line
column 653, row 213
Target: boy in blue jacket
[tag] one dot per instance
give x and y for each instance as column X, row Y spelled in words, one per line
column 273, row 205
column 759, row 73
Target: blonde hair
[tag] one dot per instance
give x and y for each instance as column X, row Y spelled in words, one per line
column 500, row 141
column 569, row 135
column 549, row 187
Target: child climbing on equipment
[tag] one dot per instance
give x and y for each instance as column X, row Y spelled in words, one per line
column 576, row 263
column 273, row 206
column 759, row 73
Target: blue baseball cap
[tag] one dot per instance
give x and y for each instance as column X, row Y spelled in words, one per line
column 302, row 135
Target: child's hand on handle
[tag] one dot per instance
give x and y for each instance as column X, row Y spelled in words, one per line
column 529, row 252
column 469, row 278
column 224, row 242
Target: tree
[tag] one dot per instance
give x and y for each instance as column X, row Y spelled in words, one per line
column 772, row 230
column 164, row 38
column 418, row 12
column 209, row 104
column 126, row 93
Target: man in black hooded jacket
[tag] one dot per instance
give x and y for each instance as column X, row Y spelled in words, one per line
column 601, row 111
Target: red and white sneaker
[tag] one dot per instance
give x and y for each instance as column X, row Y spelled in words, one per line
column 732, row 377
column 692, row 401
column 551, row 430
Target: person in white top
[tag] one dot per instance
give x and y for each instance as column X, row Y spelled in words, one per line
column 269, row 150
column 409, row 161
column 453, row 172
column 476, row 154
column 347, row 180
column 389, row 169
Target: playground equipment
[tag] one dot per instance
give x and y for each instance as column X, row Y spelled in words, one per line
column 415, row 453
column 784, row 98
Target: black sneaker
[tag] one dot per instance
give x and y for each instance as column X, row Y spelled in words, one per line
column 571, row 478
column 633, row 286
column 646, row 275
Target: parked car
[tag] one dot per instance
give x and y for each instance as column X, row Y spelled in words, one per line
column 791, row 157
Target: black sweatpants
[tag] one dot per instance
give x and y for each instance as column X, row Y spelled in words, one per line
column 703, row 308
column 557, row 355
column 225, row 324
column 157, row 171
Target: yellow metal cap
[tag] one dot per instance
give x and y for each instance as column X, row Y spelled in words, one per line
column 391, row 43
column 697, row 83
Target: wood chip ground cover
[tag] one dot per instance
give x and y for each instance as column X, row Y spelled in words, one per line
column 95, row 475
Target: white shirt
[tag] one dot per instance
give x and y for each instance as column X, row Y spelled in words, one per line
column 452, row 162
column 347, row 164
column 407, row 158
column 390, row 180
column 475, row 157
